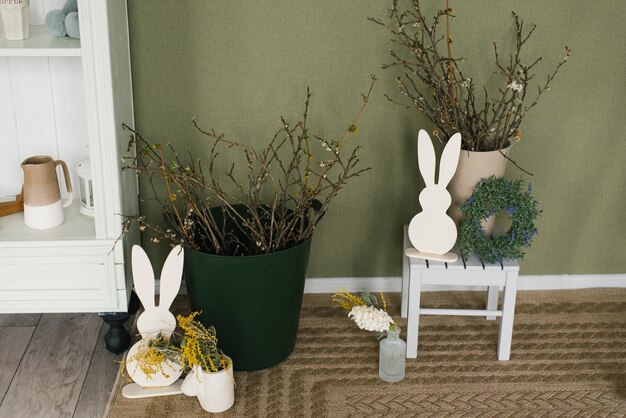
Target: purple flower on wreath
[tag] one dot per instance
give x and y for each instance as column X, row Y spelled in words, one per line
column 511, row 210
column 529, row 237
column 530, row 187
column 469, row 201
column 497, row 257
column 512, row 240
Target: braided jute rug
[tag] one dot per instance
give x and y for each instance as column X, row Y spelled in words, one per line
column 568, row 359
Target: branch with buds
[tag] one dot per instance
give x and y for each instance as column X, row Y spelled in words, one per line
column 435, row 84
column 287, row 187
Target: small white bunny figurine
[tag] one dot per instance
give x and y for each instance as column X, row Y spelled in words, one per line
column 432, row 232
column 157, row 319
column 154, row 320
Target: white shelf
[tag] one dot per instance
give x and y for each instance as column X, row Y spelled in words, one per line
column 70, row 268
column 75, row 227
column 41, row 43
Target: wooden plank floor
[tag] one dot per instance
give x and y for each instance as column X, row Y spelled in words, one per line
column 54, row 365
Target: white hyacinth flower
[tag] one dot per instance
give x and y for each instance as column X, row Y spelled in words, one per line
column 370, row 318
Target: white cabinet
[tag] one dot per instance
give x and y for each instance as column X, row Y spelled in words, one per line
column 58, row 95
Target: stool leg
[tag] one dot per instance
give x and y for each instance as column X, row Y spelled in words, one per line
column 405, row 285
column 415, row 287
column 492, row 300
column 508, row 313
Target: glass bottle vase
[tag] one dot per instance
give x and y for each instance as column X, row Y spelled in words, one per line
column 392, row 357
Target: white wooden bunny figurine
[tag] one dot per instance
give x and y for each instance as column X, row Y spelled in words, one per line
column 154, row 320
column 157, row 319
column 432, row 232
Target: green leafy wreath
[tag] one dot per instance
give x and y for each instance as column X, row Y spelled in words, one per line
column 491, row 196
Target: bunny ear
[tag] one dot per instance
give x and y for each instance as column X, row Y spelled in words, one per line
column 426, row 157
column 171, row 275
column 449, row 159
column 143, row 277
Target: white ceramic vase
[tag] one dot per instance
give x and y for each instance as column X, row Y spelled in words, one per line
column 215, row 391
column 14, row 19
column 171, row 370
column 473, row 166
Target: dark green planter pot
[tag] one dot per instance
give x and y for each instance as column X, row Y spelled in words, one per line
column 253, row 301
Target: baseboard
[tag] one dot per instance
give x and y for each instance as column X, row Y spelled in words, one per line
column 394, row 284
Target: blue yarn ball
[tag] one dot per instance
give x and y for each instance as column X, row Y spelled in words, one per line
column 55, row 23
column 69, row 7
column 71, row 25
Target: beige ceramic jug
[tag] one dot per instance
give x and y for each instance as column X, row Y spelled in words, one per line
column 43, row 206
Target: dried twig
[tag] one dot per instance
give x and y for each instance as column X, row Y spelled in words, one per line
column 437, row 87
column 286, row 189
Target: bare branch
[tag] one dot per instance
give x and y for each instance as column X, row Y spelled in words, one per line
column 285, row 193
column 445, row 95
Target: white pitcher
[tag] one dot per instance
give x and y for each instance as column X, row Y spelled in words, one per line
column 214, row 390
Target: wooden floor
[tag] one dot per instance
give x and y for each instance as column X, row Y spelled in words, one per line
column 55, row 365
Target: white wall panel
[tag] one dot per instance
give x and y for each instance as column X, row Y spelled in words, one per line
column 32, row 101
column 42, row 112
column 10, row 176
column 36, row 15
column 68, row 97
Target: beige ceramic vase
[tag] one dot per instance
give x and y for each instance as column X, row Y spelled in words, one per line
column 43, row 206
column 473, row 166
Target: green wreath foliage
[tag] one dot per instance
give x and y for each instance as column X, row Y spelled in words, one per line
column 491, row 196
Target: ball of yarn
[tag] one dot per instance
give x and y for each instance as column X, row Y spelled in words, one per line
column 55, row 23
column 71, row 25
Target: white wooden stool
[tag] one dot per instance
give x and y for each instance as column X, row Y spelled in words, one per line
column 417, row 272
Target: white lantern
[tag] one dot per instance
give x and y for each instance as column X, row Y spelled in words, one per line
column 86, row 188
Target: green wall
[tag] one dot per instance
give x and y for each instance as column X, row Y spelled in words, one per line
column 239, row 65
